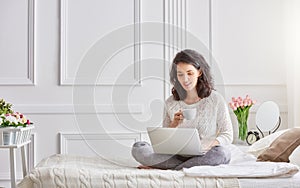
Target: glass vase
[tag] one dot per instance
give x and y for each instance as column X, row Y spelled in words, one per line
column 242, row 118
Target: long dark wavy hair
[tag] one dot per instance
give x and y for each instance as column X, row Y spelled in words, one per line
column 204, row 85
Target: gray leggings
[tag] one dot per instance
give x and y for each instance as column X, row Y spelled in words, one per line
column 143, row 153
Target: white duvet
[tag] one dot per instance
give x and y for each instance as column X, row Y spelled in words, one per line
column 243, row 165
column 244, row 170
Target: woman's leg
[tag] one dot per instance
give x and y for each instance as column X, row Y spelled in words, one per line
column 215, row 156
column 143, row 153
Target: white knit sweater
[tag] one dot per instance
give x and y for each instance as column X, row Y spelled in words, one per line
column 212, row 119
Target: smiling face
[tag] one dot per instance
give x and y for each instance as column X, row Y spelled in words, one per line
column 187, row 76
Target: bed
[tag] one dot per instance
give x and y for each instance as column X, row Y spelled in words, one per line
column 78, row 171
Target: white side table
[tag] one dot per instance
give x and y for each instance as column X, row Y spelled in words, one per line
column 12, row 138
column 12, row 154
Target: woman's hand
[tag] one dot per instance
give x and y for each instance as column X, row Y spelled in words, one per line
column 210, row 144
column 178, row 118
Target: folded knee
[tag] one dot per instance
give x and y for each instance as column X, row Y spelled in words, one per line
column 141, row 144
column 141, row 150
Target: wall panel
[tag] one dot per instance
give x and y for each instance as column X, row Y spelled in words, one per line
column 17, row 42
column 93, row 144
column 96, row 47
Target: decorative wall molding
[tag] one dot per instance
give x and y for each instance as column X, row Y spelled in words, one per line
column 66, row 80
column 31, row 153
column 65, row 138
column 137, row 41
column 81, row 109
column 174, row 14
column 99, row 109
column 30, row 79
column 263, row 84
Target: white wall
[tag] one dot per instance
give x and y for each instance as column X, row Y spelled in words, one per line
column 292, row 33
column 248, row 42
column 245, row 37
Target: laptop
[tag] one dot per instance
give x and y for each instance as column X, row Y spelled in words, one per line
column 182, row 141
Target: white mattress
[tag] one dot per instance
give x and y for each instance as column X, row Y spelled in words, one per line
column 291, row 182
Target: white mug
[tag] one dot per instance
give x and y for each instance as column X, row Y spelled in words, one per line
column 189, row 113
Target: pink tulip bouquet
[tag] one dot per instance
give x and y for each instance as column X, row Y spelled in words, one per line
column 241, row 109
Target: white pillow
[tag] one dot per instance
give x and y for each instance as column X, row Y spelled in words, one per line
column 261, row 145
column 295, row 156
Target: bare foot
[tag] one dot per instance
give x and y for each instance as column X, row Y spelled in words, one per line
column 144, row 167
column 148, row 167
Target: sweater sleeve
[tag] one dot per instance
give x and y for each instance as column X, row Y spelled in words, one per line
column 224, row 125
column 166, row 117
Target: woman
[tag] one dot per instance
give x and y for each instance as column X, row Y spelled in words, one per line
column 193, row 88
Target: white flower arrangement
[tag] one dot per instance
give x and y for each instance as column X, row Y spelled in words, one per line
column 8, row 118
column 14, row 119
